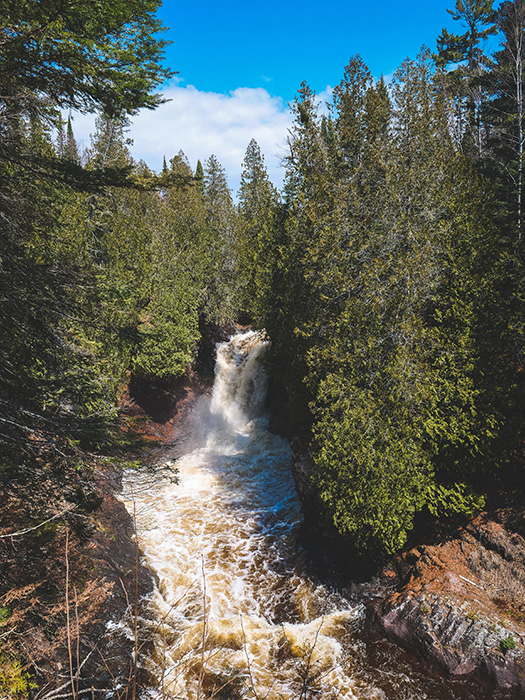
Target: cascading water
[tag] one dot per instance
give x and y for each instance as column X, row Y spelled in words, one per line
column 237, row 613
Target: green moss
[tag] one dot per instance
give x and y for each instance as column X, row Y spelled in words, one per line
column 507, row 644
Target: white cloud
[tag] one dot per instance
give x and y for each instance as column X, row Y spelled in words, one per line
column 325, row 98
column 205, row 123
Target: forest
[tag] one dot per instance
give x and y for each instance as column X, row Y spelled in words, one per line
column 388, row 272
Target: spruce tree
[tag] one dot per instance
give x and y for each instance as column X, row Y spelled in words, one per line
column 199, row 175
column 70, row 146
column 221, row 224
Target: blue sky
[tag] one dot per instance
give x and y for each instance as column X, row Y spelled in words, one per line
column 275, row 45
column 240, row 63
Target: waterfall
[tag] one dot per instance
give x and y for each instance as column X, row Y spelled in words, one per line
column 237, row 612
column 240, row 383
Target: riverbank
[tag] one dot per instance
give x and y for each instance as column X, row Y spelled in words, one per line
column 68, row 573
column 459, row 604
column 454, row 597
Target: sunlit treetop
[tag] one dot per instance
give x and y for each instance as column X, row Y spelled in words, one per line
column 87, row 55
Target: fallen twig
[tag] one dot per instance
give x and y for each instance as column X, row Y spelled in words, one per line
column 469, row 581
column 35, row 527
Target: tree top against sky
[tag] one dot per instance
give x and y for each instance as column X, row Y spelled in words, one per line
column 83, row 55
column 220, row 47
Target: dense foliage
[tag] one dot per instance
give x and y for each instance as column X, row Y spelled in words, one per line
column 105, row 266
column 388, row 273
column 396, row 309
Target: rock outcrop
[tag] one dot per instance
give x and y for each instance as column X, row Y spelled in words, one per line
column 460, row 603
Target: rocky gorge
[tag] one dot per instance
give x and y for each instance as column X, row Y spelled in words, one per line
column 453, row 598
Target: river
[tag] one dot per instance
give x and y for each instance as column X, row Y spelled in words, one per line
column 239, row 610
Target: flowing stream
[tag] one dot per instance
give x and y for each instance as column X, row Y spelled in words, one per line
column 239, row 614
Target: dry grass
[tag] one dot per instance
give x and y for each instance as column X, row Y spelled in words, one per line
column 501, row 577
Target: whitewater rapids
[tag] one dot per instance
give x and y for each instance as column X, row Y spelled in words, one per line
column 238, row 614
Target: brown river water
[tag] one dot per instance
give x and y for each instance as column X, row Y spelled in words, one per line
column 239, row 612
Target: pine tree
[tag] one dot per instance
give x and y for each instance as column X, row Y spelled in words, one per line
column 116, row 40
column 466, row 80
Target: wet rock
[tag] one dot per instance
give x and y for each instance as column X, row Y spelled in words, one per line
column 442, row 632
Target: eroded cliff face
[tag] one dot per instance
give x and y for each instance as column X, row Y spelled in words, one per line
column 458, row 603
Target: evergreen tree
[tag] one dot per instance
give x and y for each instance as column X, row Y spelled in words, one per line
column 199, row 175
column 478, row 16
column 116, row 40
column 168, row 329
column 52, row 398
column 349, row 106
column 107, row 236
column 61, row 137
column 383, row 319
column 504, row 165
column 386, row 407
column 506, row 110
column 70, row 146
column 466, row 80
column 309, row 209
column 221, row 223
column 258, row 201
